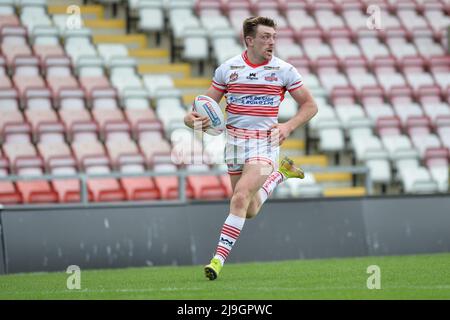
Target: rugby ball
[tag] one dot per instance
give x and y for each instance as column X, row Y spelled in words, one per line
column 208, row 107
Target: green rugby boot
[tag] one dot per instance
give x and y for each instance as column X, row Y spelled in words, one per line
column 212, row 270
column 288, row 170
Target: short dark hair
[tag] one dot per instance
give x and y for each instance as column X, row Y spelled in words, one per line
column 250, row 25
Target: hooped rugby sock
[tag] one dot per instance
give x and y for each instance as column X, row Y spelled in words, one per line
column 228, row 236
column 271, row 183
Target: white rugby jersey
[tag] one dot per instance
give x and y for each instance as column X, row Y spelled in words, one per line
column 254, row 92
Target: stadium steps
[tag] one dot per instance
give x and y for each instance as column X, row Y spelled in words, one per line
column 106, row 26
column 345, row 192
column 318, row 160
column 87, row 11
column 150, row 56
column 192, row 85
column 132, row 41
column 293, row 147
column 175, row 70
column 334, row 179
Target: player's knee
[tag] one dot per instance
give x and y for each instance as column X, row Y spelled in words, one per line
column 241, row 199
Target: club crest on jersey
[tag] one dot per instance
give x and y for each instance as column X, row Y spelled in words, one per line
column 234, row 76
column 271, row 78
column 252, row 76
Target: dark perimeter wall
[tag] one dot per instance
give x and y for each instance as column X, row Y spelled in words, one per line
column 51, row 239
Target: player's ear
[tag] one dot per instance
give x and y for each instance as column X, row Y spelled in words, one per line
column 248, row 40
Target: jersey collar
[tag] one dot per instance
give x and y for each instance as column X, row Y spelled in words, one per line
column 248, row 62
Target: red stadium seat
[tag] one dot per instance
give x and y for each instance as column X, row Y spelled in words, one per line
column 225, row 180
column 206, row 187
column 9, row 20
column 9, row 193
column 91, row 83
column 56, row 154
column 69, row 190
column 437, row 157
column 90, row 153
column 106, row 189
column 388, row 126
column 37, row 191
column 46, row 51
column 168, row 187
column 140, row 188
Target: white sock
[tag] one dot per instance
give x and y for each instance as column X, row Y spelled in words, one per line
column 228, row 236
column 271, row 183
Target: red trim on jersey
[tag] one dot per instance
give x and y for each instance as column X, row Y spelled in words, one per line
column 296, row 88
column 249, row 63
column 218, row 89
column 268, row 112
column 246, row 133
column 234, row 173
column 220, row 85
column 255, row 89
column 254, row 85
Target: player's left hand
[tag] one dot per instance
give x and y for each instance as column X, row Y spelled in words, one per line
column 280, row 132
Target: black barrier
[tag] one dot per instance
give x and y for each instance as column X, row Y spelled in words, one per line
column 2, row 246
column 50, row 239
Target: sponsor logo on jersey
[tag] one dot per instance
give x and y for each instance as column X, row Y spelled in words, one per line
column 234, row 76
column 272, row 77
column 252, row 76
column 236, row 67
column 271, row 68
column 252, row 100
column 212, row 114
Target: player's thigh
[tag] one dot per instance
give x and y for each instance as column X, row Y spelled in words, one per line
column 253, row 176
column 234, row 178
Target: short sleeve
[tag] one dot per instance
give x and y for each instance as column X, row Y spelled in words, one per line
column 293, row 79
column 218, row 81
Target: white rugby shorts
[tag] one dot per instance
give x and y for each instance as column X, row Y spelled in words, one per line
column 244, row 146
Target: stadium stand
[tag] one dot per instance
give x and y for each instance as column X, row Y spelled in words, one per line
column 110, row 96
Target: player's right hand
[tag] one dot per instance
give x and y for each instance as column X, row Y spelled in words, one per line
column 195, row 120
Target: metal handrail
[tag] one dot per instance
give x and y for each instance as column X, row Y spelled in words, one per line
column 181, row 174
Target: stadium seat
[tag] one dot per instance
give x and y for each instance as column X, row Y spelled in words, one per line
column 22, row 155
column 307, row 187
column 437, row 162
column 151, row 16
column 27, row 74
column 418, row 181
column 59, row 74
column 140, row 188
column 329, row 74
column 207, row 187
column 168, row 185
column 36, row 191
column 415, row 73
column 89, row 153
column 371, row 46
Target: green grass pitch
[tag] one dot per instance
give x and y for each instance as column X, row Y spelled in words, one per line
column 402, row 277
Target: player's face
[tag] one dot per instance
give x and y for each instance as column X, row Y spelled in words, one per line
column 264, row 42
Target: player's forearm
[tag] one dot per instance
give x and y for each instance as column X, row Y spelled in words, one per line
column 304, row 114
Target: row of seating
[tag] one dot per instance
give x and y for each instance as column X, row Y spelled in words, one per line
column 316, row 29
column 87, row 126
